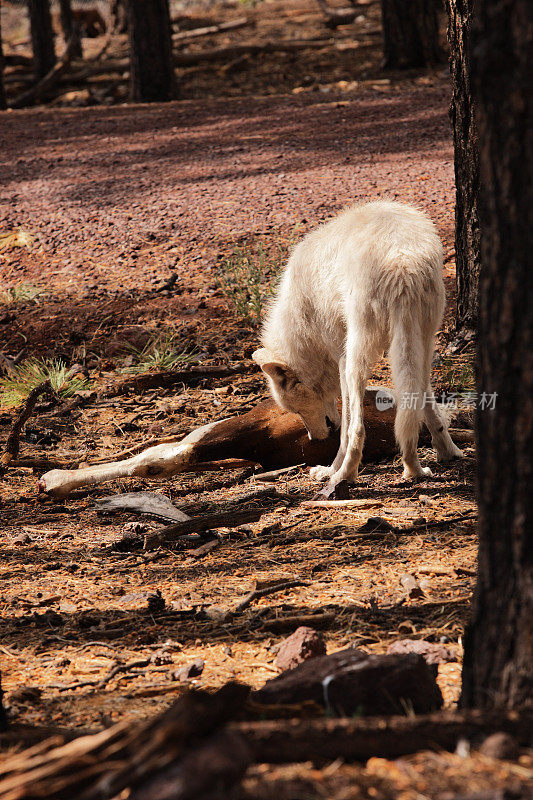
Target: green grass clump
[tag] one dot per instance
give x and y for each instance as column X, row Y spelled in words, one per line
column 458, row 373
column 248, row 277
column 19, row 294
column 160, row 354
column 15, row 387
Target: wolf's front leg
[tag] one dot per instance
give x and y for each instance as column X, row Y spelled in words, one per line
column 324, row 473
column 355, row 374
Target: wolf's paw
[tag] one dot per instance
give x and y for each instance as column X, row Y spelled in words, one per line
column 416, row 475
column 450, row 454
column 320, row 473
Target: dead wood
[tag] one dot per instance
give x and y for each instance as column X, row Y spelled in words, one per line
column 336, row 16
column 256, row 594
column 51, row 77
column 214, row 766
column 150, row 503
column 227, row 519
column 294, row 621
column 13, row 440
column 209, row 30
column 320, row 740
column 212, row 54
column 126, row 755
column 165, row 379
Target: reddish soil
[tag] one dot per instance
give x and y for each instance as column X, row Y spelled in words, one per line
column 118, row 199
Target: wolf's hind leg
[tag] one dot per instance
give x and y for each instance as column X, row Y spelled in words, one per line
column 442, row 441
column 410, row 373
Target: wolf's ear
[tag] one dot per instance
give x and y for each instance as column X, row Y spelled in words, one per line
column 261, row 356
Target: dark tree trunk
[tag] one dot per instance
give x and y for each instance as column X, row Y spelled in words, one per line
column 465, row 140
column 42, row 37
column 498, row 664
column 152, row 70
column 410, row 33
column 3, row 101
column 69, row 27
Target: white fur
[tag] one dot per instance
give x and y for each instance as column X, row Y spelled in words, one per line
column 368, row 281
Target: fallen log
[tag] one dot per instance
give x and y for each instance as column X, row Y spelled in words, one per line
column 124, row 756
column 209, row 30
column 212, row 54
column 165, row 379
column 51, row 77
column 265, row 435
column 319, row 740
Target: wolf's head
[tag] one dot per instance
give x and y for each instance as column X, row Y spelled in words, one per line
column 317, row 414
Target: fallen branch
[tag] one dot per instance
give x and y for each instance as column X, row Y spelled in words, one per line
column 208, row 30
column 342, row 503
column 233, row 51
column 256, row 594
column 51, row 77
column 166, row 379
column 320, row 740
column 13, row 440
column 227, row 519
column 213, row 54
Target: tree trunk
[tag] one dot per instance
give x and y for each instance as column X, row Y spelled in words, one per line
column 410, row 33
column 69, row 27
column 3, row 101
column 152, row 71
column 498, row 664
column 42, row 37
column 467, row 244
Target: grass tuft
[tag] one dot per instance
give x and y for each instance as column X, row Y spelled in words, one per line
column 160, row 354
column 21, row 293
column 248, row 277
column 15, row 388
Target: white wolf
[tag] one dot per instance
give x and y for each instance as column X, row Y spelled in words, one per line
column 368, row 281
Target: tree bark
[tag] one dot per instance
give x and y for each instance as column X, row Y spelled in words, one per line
column 498, row 664
column 465, row 138
column 410, row 33
column 3, row 101
column 69, row 27
column 152, row 70
column 42, row 37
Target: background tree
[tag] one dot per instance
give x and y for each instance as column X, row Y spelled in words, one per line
column 465, row 140
column 69, row 27
column 410, row 33
column 498, row 663
column 3, row 102
column 152, row 70
column 42, row 37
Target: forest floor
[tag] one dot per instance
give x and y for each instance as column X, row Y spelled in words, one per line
column 133, row 215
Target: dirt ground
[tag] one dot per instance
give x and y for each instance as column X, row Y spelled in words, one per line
column 131, row 210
